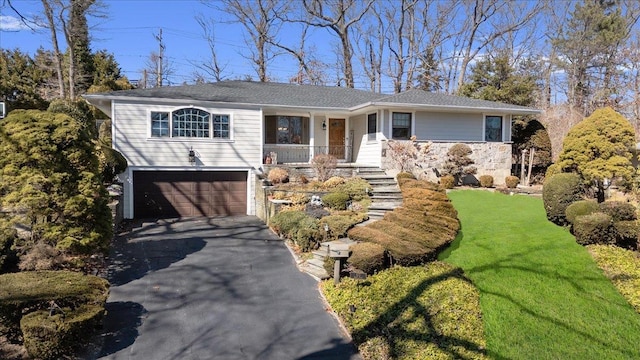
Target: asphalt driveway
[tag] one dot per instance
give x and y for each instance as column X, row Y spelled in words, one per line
column 221, row 288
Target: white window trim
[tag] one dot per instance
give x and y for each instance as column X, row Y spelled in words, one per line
column 171, row 138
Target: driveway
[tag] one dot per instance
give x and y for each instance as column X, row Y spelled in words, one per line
column 219, row 288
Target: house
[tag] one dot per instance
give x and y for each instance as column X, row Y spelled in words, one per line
column 195, row 149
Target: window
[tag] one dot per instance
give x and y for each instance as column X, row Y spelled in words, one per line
column 159, row 124
column 221, row 126
column 401, row 126
column 493, row 128
column 372, row 126
column 190, row 122
column 286, row 130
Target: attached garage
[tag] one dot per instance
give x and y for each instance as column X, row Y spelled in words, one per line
column 189, row 193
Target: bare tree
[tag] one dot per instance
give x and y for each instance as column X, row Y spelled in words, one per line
column 150, row 74
column 338, row 16
column 212, row 67
column 369, row 45
column 57, row 55
column 310, row 69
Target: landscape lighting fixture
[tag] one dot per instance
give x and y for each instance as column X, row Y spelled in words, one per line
column 192, row 157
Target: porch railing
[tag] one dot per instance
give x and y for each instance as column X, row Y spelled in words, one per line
column 284, row 154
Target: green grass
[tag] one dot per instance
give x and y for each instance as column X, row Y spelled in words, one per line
column 542, row 295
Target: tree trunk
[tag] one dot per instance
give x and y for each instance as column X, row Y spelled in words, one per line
column 56, row 49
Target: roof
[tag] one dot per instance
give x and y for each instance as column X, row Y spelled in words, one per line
column 305, row 96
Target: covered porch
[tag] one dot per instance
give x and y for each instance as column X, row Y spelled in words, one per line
column 287, row 154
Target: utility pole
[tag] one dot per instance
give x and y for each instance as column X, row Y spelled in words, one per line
column 160, row 57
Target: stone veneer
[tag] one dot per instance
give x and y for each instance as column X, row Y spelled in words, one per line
column 491, row 158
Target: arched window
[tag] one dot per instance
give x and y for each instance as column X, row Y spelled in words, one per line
column 191, row 122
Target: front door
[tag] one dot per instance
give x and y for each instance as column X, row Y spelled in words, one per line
column 336, row 138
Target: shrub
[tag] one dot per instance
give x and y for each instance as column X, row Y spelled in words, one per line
column 447, row 181
column 37, row 289
column 8, row 236
column 336, row 200
column 285, row 222
column 41, row 256
column 626, row 233
column 511, row 181
column 278, row 176
column 619, row 210
column 560, row 191
column 339, row 223
column 596, row 228
column 333, row 182
column 324, row 165
column 486, row 181
column 458, row 163
column 404, row 175
column 307, row 234
column 622, row 267
column 328, row 265
column 356, row 188
column 579, row 208
column 368, row 257
column 52, row 337
column 298, row 198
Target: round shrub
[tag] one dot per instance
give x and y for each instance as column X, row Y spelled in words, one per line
column 596, row 228
column 333, row 182
column 285, row 223
column 558, row 192
column 486, row 181
column 626, row 234
column 368, row 257
column 357, row 188
column 619, row 210
column 447, row 181
column 404, row 175
column 579, row 208
column 511, row 181
column 336, row 200
column 52, row 337
column 278, row 176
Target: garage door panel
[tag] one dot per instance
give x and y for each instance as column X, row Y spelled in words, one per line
column 189, row 193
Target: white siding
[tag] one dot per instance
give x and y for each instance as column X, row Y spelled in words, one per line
column 438, row 126
column 132, row 138
column 365, row 151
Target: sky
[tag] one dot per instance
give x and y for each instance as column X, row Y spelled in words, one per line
column 130, row 29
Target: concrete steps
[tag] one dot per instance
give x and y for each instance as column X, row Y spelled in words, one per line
column 315, row 265
column 385, row 193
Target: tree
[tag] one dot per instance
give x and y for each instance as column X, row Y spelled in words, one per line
column 599, row 149
column 458, row 163
column 50, row 183
column 19, row 81
column 528, row 133
column 338, row 16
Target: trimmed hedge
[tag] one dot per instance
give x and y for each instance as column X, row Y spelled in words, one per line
column 415, row 232
column 52, row 337
column 627, row 233
column 336, row 200
column 511, row 181
column 447, row 181
column 619, row 210
column 596, row 228
column 307, row 234
column 580, row 208
column 486, row 181
column 558, row 192
column 285, row 223
column 404, row 175
column 355, row 187
column 25, row 292
column 368, row 257
column 340, row 222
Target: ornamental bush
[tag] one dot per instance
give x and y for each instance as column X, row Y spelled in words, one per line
column 579, row 208
column 307, row 234
column 357, row 188
column 486, row 181
column 447, row 181
column 558, row 192
column 278, row 176
column 627, row 234
column 404, row 175
column 339, row 223
column 285, row 223
column 512, row 181
column 368, row 257
column 333, row 182
column 324, row 165
column 336, row 200
column 619, row 210
column 596, row 228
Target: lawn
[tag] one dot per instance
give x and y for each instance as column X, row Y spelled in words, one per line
column 542, row 295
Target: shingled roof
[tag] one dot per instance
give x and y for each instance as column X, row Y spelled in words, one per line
column 303, row 96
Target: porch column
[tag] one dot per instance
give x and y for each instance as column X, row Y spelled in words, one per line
column 312, row 127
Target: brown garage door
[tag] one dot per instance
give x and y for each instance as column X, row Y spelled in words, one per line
column 189, row 193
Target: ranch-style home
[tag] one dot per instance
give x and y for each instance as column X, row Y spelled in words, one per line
column 196, row 149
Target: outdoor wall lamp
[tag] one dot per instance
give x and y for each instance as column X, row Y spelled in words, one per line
column 324, row 125
column 192, row 157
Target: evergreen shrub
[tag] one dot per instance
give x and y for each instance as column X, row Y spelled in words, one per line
column 619, row 210
column 627, row 233
column 355, row 187
column 285, row 222
column 336, row 200
column 558, row 192
column 447, row 181
column 368, row 257
column 579, row 208
column 278, row 176
column 333, row 182
column 307, row 234
column 511, row 181
column 486, row 181
column 596, row 228
column 404, row 175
